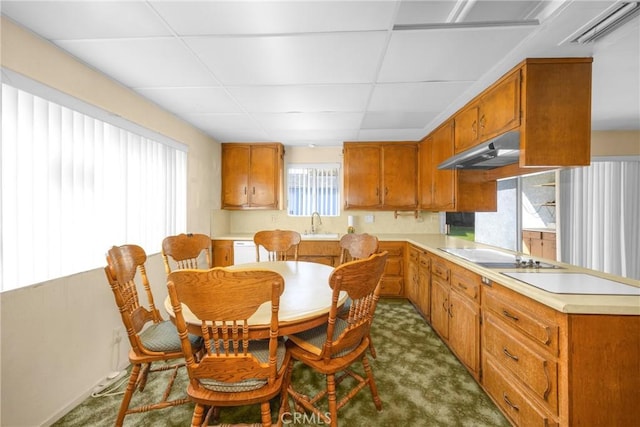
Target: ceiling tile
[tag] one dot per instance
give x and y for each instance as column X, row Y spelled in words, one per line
column 302, row 98
column 394, row 120
column 67, row 20
column 274, row 17
column 447, row 55
column 424, row 12
column 301, row 59
column 391, row 135
column 143, row 62
column 192, row 99
column 500, row 10
column 241, row 135
column 329, row 137
column 429, row 96
column 302, row 121
column 223, row 121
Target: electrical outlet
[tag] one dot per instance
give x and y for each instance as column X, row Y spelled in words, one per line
column 368, row 219
column 274, row 218
column 117, row 335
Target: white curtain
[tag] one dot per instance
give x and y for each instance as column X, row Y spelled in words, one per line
column 599, row 209
column 73, row 186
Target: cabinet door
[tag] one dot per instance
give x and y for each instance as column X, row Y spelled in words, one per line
column 500, row 108
column 549, row 246
column 466, row 129
column 362, row 176
column 464, row 331
column 413, row 276
column 426, row 173
column 265, row 178
column 399, row 171
column 443, row 180
column 424, row 285
column 222, row 253
column 235, row 175
column 440, row 307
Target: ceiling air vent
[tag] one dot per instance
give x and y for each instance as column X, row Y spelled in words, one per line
column 622, row 13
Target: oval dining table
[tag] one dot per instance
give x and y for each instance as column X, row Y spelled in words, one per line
column 304, row 304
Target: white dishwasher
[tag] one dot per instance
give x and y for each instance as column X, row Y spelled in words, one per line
column 244, row 251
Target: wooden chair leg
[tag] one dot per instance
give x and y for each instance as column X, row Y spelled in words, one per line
column 126, row 398
column 265, row 411
column 331, row 396
column 198, row 413
column 372, row 383
column 372, row 349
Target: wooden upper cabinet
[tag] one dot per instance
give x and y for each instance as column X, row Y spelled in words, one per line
column 556, row 112
column 380, row 175
column 466, row 128
column 443, row 180
column 252, row 176
column 495, row 112
column 499, row 109
column 451, row 190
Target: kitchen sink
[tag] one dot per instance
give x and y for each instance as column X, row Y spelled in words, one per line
column 491, row 258
column 319, row 236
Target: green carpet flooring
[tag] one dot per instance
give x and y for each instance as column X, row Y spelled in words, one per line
column 421, row 383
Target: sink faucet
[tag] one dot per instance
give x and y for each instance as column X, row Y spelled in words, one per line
column 314, row 228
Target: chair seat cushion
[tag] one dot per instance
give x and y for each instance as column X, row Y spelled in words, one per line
column 260, row 350
column 313, row 340
column 163, row 336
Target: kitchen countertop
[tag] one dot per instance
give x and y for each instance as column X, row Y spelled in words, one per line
column 565, row 303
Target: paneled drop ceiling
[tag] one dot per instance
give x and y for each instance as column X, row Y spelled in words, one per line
column 324, row 72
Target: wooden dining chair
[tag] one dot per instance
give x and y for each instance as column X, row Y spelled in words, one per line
column 355, row 246
column 233, row 370
column 331, row 349
column 152, row 339
column 186, row 251
column 278, row 244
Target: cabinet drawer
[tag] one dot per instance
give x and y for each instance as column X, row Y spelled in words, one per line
column 537, row 371
column 394, row 248
column 538, row 327
column 440, row 268
column 521, row 410
column 467, row 283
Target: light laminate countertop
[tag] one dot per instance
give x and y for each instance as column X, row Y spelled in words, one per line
column 566, row 303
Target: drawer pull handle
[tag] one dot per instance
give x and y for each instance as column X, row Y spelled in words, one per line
column 444, row 305
column 512, row 356
column 508, row 402
column 509, row 315
column 462, row 286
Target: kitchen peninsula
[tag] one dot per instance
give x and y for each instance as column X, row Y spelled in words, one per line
column 544, row 358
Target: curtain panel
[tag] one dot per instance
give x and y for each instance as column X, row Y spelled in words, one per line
column 599, row 209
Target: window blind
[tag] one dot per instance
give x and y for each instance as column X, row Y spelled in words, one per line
column 73, row 186
column 313, row 189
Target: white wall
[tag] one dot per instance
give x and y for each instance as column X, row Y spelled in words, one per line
column 56, row 337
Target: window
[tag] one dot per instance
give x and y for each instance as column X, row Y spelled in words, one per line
column 73, row 186
column 313, row 188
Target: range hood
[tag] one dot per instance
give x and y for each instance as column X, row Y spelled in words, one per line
column 500, row 151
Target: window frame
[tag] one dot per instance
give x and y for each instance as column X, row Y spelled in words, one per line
column 318, row 165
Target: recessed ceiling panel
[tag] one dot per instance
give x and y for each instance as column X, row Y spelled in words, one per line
column 447, row 55
column 428, row 96
column 67, row 20
column 302, row 98
column 301, row 59
column 192, row 99
column 142, row 62
column 274, row 17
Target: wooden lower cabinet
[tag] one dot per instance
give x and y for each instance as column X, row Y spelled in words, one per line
column 222, row 253
column 543, row 367
column 322, row 252
column 455, row 311
column 393, row 277
column 541, row 244
column 417, row 285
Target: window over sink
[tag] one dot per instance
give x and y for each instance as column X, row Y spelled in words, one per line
column 313, row 188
